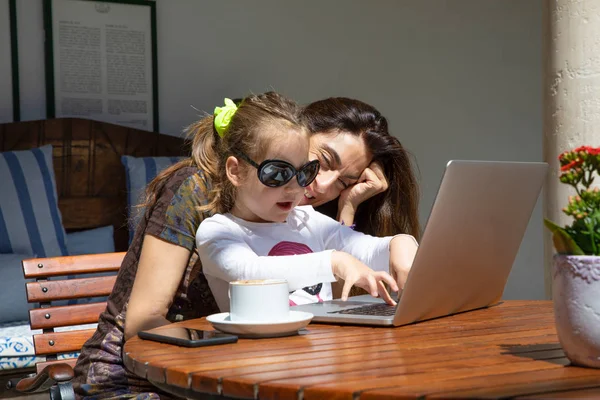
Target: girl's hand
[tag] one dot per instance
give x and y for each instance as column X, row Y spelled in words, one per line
column 403, row 249
column 371, row 182
column 354, row 272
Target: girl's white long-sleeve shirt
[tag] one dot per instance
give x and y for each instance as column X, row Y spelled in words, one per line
column 298, row 250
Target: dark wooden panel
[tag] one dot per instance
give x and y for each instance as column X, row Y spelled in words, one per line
column 141, row 145
column 61, row 342
column 90, row 212
column 80, row 130
column 108, row 173
column 72, row 265
column 51, row 317
column 79, row 171
column 57, row 130
column 172, row 146
column 22, row 135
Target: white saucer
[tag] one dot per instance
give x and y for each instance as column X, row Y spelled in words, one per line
column 261, row 329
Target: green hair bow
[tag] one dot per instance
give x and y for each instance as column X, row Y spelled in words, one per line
column 223, row 116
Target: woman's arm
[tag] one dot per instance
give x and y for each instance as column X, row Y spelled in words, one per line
column 160, row 270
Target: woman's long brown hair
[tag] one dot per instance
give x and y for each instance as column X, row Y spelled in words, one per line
column 395, row 210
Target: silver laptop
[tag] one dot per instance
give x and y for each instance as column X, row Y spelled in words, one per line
column 474, row 231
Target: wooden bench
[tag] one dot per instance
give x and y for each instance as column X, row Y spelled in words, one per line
column 54, row 281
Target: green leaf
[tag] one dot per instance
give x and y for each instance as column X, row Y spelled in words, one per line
column 563, row 242
column 581, row 235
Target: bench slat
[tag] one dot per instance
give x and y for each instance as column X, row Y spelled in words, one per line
column 71, row 265
column 69, row 289
column 44, row 318
column 61, row 342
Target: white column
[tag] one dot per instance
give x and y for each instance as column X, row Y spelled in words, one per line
column 571, row 98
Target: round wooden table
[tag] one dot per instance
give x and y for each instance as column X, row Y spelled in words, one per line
column 510, row 350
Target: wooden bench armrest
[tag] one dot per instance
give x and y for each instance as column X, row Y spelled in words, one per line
column 49, row 376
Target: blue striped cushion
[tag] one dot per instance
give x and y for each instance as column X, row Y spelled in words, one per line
column 139, row 172
column 30, row 221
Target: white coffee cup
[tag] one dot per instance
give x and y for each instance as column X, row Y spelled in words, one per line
column 259, row 300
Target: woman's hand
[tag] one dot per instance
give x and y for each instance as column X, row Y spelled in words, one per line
column 354, row 272
column 403, row 249
column 371, row 182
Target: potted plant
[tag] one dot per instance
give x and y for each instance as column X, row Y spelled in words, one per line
column 576, row 266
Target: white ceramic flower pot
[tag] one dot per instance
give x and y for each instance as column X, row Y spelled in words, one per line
column 576, row 298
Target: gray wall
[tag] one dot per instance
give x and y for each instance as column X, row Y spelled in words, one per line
column 456, row 78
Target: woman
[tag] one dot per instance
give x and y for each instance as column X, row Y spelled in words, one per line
column 160, row 280
column 366, row 175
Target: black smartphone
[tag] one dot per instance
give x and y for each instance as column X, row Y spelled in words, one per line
column 187, row 337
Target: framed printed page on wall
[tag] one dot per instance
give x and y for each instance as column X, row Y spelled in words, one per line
column 9, row 63
column 101, row 61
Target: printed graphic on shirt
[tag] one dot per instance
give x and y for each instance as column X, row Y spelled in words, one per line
column 308, row 294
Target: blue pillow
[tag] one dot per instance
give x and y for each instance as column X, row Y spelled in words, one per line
column 91, row 241
column 30, row 221
column 13, row 299
column 139, row 172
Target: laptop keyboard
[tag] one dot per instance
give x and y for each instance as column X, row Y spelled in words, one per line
column 369, row 309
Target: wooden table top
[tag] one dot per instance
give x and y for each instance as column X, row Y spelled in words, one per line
column 510, row 350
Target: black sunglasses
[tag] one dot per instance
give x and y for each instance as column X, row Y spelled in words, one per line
column 276, row 173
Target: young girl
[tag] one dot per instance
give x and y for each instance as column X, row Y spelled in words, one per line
column 259, row 178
